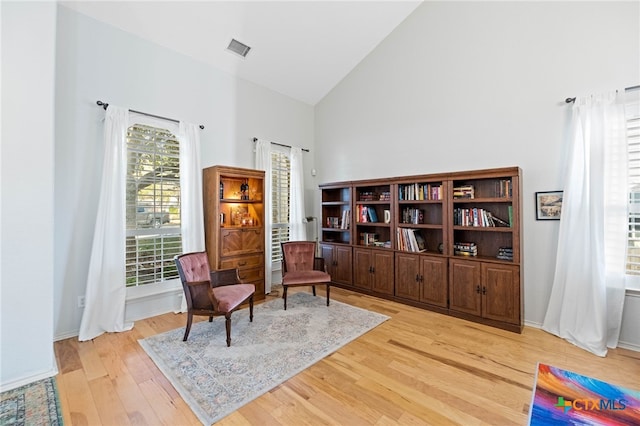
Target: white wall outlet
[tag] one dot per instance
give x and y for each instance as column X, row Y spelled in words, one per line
column 80, row 301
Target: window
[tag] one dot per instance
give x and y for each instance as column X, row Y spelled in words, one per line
column 632, row 112
column 153, row 234
column 280, row 182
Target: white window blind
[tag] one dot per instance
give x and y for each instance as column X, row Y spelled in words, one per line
column 632, row 112
column 153, row 234
column 280, row 182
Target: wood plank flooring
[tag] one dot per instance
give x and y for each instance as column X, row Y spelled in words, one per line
column 417, row 368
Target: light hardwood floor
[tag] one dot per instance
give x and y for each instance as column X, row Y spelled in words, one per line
column 417, row 368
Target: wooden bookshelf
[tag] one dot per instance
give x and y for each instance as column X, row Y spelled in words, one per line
column 234, row 222
column 448, row 242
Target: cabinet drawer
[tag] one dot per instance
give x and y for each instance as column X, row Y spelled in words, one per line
column 244, row 262
column 253, row 274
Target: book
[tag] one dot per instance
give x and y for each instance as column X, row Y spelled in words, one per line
column 372, row 215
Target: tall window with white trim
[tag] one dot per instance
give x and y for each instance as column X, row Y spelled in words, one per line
column 632, row 116
column 153, row 234
column 280, row 183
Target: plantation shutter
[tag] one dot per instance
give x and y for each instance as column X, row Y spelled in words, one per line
column 153, row 235
column 632, row 112
column 280, row 175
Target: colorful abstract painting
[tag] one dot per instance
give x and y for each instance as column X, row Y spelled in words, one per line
column 562, row 397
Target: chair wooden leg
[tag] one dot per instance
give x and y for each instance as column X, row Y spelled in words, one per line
column 328, row 294
column 251, row 309
column 284, row 296
column 188, row 329
column 227, row 325
column 314, row 289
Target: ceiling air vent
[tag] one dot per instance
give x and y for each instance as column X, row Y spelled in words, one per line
column 238, row 48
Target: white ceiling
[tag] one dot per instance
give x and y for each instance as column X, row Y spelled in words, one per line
column 298, row 48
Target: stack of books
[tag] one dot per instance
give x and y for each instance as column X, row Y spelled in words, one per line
column 463, row 191
column 504, row 188
column 367, row 214
column 505, row 253
column 410, row 240
column 465, row 249
column 411, row 215
column 368, row 239
column 346, row 219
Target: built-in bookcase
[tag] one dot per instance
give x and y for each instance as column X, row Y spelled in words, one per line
column 448, row 242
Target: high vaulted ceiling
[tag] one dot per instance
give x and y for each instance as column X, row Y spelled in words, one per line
column 301, row 49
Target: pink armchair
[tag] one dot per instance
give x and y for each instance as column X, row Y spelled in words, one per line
column 211, row 293
column 300, row 267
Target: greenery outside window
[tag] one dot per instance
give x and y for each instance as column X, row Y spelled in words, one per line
column 153, row 234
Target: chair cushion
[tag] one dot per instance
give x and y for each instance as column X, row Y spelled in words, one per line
column 230, row 296
column 305, row 277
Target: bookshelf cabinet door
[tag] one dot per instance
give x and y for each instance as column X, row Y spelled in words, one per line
column 382, row 272
column 407, row 276
column 434, row 280
column 465, row 287
column 362, row 265
column 344, row 268
column 501, row 293
column 338, row 260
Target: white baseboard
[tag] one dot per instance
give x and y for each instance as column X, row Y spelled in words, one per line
column 621, row 344
column 27, row 379
column 137, row 308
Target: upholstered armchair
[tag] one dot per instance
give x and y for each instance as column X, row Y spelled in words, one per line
column 211, row 293
column 300, row 267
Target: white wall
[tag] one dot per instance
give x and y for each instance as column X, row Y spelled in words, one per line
column 26, row 225
column 96, row 61
column 472, row 85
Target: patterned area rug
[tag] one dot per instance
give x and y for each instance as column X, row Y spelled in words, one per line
column 565, row 398
column 34, row 404
column 216, row 380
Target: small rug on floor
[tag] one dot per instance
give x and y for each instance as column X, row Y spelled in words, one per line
column 34, row 404
column 562, row 397
column 215, row 380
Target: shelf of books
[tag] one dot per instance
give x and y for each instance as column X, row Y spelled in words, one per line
column 336, row 214
column 420, row 212
column 483, row 222
column 373, row 216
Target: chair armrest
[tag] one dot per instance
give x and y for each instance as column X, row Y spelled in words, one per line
column 224, row 277
column 318, row 264
column 197, row 283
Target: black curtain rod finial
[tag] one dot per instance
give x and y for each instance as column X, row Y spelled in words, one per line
column 570, row 100
column 103, row 105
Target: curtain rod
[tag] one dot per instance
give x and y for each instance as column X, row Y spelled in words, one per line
column 280, row 144
column 105, row 105
column 626, row 89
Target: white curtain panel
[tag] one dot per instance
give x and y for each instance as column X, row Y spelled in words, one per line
column 191, row 214
column 588, row 290
column 106, row 292
column 297, row 225
column 263, row 162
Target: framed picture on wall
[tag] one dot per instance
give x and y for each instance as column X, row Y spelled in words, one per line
column 548, row 205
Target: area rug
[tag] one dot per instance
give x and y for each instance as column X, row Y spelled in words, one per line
column 34, row 404
column 566, row 398
column 215, row 380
